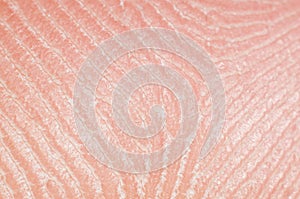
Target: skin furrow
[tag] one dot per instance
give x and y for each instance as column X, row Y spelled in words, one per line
column 66, row 31
column 121, row 189
column 27, row 49
column 216, row 179
column 141, row 193
column 225, row 42
column 230, row 182
column 26, row 157
column 193, row 9
column 265, row 162
column 72, row 18
column 194, row 180
column 15, row 175
column 272, row 108
column 245, row 137
column 197, row 166
column 179, row 170
column 283, row 169
column 187, row 12
column 42, row 40
column 96, row 185
column 62, row 168
column 266, row 41
column 29, row 116
column 296, row 184
column 263, row 72
column 35, row 27
column 41, row 117
column 272, row 181
column 166, row 194
column 240, row 111
column 287, row 180
column 254, row 46
column 239, row 39
column 237, row 6
column 97, row 188
column 6, row 191
column 140, row 187
column 215, row 41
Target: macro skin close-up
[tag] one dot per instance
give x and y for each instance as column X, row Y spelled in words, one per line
column 149, row 99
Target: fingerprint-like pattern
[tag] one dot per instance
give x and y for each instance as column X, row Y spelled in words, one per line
column 255, row 46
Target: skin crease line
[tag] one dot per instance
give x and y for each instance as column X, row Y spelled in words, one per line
column 149, row 99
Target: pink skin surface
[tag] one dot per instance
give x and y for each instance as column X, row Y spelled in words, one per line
column 254, row 45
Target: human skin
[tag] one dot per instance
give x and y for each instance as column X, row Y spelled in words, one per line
column 254, row 45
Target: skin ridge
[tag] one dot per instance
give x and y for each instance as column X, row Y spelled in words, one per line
column 42, row 45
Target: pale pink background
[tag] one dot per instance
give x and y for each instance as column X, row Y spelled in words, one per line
column 255, row 47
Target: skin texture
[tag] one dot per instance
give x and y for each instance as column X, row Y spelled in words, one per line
column 254, row 46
